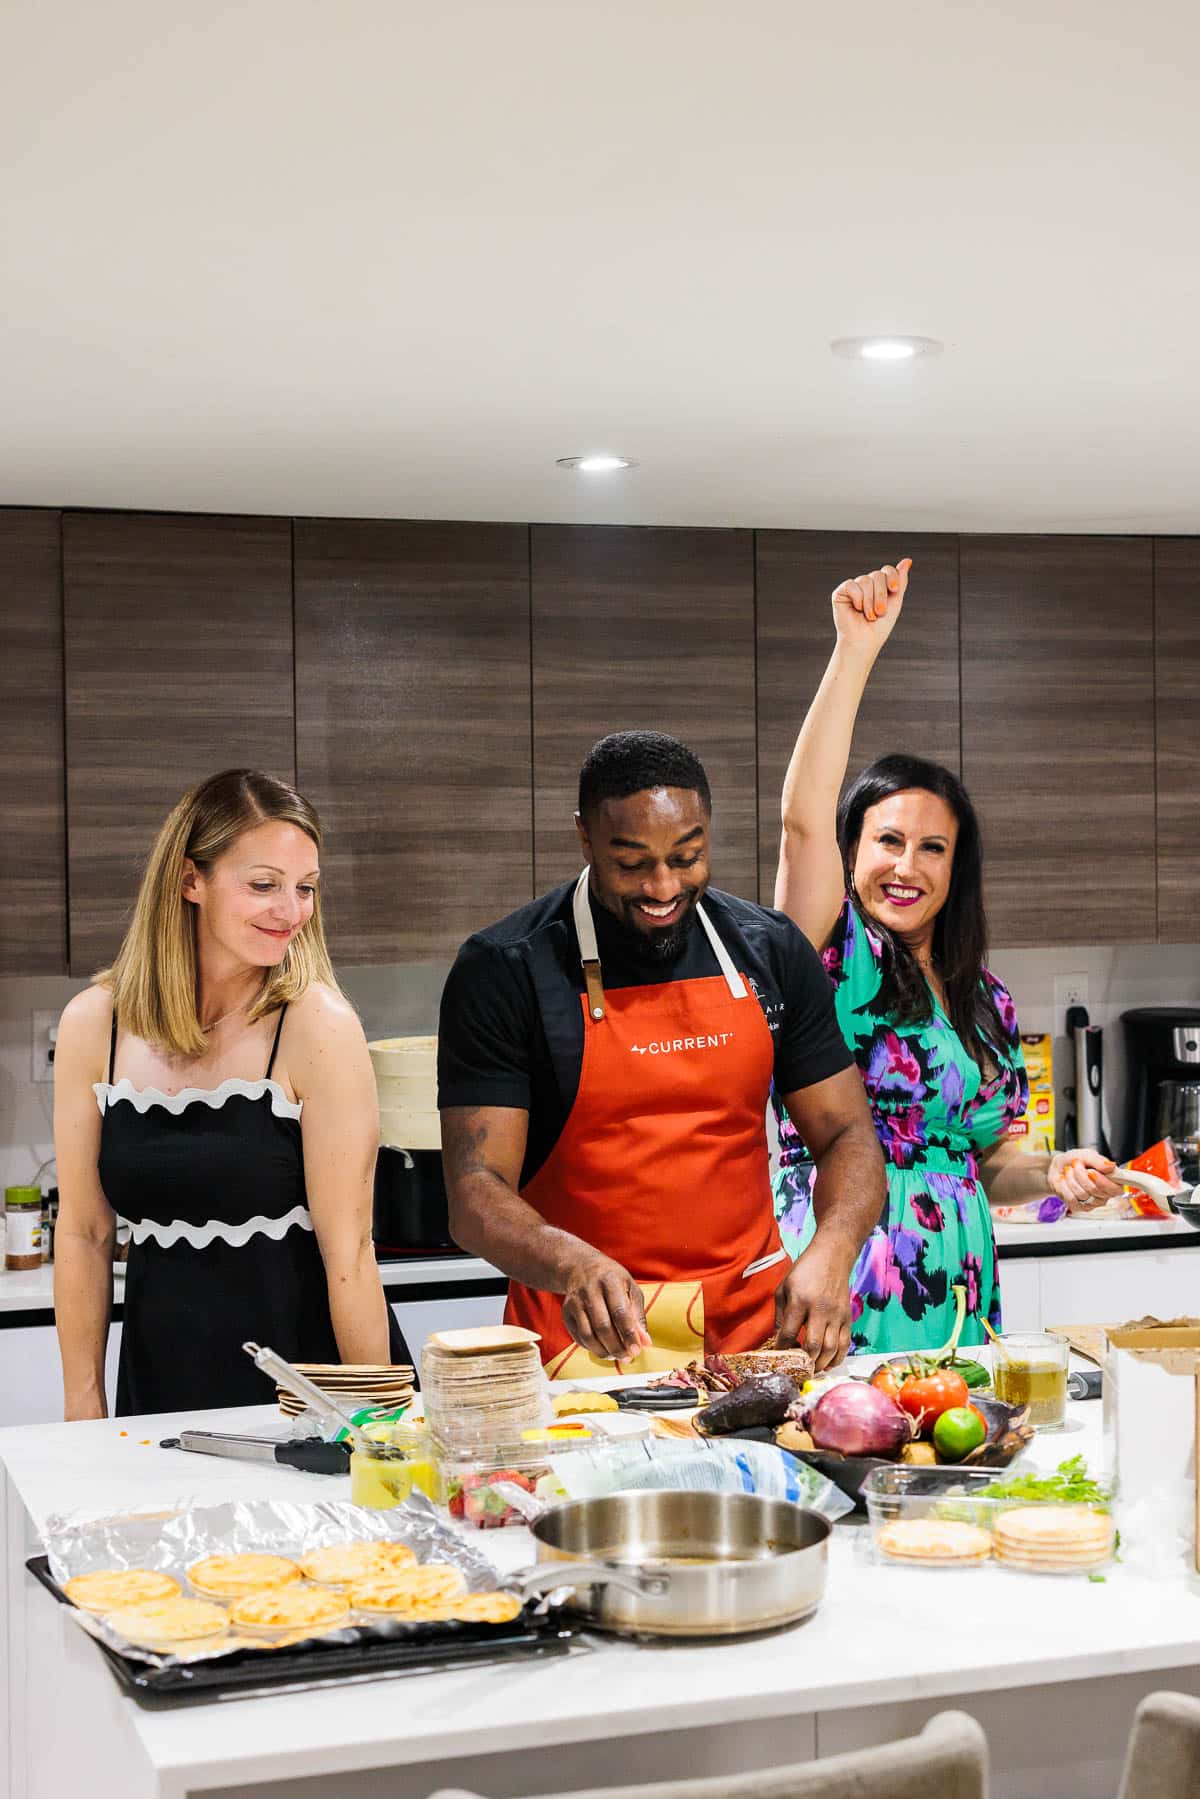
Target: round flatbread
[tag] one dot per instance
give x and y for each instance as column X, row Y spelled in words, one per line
column 1056, row 1528
column 164, row 1622
column 119, row 1589
column 396, row 1555
column 406, row 1592
column 290, row 1608
column 233, row 1576
column 934, row 1540
column 344, row 1562
column 484, row 1608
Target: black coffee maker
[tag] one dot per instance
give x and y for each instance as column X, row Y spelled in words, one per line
column 1162, row 1046
column 412, row 1216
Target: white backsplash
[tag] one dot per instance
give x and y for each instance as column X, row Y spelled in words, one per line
column 1118, row 980
column 400, row 1000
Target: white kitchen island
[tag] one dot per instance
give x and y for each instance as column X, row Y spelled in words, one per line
column 1052, row 1667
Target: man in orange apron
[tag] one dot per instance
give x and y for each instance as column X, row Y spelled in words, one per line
column 605, row 1058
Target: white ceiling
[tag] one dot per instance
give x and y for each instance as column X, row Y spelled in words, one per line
column 393, row 257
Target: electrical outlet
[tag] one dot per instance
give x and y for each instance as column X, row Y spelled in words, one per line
column 42, row 1062
column 1069, row 990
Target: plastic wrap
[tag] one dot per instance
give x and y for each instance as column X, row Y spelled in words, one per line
column 171, row 1539
column 711, row 1464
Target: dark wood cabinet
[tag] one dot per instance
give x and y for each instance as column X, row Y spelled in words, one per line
column 912, row 699
column 1177, row 684
column 412, row 717
column 643, row 629
column 178, row 639
column 1058, row 734
column 434, row 686
column 33, row 875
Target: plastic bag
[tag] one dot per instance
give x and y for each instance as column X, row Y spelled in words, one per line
column 713, row 1464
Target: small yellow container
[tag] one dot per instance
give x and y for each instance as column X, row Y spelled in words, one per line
column 386, row 1474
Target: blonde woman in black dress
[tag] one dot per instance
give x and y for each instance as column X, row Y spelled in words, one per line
column 213, row 1088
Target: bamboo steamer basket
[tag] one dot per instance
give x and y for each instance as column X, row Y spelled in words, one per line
column 406, row 1081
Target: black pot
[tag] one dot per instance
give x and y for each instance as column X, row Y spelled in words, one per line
column 411, row 1214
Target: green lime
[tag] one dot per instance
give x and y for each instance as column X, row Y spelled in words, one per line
column 957, row 1432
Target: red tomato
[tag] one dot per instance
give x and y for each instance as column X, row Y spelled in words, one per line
column 927, row 1396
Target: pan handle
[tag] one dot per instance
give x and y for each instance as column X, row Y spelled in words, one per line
column 547, row 1576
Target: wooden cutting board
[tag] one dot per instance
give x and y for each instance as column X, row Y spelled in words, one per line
column 1090, row 1340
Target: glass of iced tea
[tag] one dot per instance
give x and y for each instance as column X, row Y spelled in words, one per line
column 1030, row 1368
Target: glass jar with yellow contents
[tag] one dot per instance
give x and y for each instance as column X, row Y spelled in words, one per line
column 396, row 1464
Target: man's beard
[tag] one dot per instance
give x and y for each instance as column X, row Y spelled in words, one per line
column 658, row 947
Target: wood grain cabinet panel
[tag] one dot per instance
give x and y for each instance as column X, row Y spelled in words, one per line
column 178, row 633
column 412, row 710
column 1177, row 684
column 644, row 629
column 1058, row 734
column 912, row 700
column 33, row 872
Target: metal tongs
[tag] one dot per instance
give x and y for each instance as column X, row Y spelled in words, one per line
column 320, row 1403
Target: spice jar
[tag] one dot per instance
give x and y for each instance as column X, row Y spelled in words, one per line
column 23, row 1227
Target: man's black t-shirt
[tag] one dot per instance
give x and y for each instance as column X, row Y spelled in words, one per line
column 511, row 1030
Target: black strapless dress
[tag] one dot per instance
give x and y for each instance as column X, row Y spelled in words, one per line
column 223, row 1250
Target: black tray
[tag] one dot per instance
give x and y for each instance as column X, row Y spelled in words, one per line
column 413, row 1649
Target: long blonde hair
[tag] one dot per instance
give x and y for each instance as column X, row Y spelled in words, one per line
column 153, row 978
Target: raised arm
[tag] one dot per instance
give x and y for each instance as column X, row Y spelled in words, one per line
column 809, row 884
column 87, row 1228
column 330, row 1071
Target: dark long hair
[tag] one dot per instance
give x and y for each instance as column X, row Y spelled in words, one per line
column 960, row 937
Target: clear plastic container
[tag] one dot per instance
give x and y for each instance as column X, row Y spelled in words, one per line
column 471, row 1486
column 939, row 1517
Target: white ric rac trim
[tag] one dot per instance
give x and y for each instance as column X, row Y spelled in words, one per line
column 142, row 1098
column 236, row 1235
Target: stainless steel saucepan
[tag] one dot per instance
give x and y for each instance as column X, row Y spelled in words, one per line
column 681, row 1564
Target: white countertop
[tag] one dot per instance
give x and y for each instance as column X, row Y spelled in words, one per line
column 32, row 1289
column 882, row 1633
column 1083, row 1230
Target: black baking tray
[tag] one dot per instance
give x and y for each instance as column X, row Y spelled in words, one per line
column 412, row 1649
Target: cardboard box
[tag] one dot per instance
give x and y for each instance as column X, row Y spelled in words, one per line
column 1035, row 1128
column 1152, row 1409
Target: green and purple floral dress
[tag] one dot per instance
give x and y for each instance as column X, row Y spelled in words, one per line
column 934, row 1111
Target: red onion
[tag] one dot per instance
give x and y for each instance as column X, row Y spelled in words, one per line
column 855, row 1418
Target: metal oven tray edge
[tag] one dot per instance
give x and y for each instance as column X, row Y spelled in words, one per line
column 246, row 1674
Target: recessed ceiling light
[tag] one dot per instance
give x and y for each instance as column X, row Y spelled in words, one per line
column 596, row 465
column 885, row 349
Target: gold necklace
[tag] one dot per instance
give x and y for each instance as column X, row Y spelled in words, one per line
column 206, row 1028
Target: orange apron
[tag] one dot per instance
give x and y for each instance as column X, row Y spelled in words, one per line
column 662, row 1163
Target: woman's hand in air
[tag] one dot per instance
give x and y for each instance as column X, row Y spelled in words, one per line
column 865, row 609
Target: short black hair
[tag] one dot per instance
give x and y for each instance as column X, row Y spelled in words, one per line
column 635, row 761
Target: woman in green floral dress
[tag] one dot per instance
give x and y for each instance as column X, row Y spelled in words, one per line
column 888, row 885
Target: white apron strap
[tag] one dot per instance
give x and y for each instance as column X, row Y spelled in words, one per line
column 589, row 952
column 733, row 979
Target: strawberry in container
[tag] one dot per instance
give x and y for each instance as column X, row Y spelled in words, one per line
column 477, row 1498
column 483, row 1491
